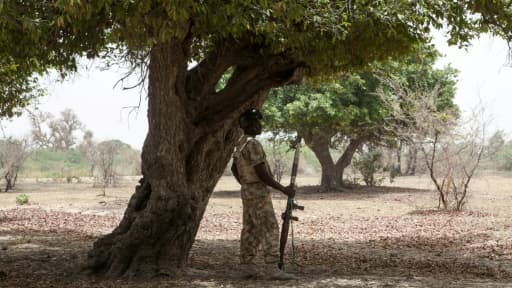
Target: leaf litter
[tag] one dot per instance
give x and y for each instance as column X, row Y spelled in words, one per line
column 335, row 246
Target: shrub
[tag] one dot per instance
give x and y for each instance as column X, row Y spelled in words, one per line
column 369, row 163
column 22, row 199
column 504, row 157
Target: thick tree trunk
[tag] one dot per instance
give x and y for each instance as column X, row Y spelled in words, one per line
column 399, row 157
column 180, row 167
column 412, row 160
column 184, row 155
column 14, row 180
column 332, row 173
column 346, row 158
column 8, row 182
column 319, row 143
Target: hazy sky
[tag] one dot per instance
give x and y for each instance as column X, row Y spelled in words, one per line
column 90, row 93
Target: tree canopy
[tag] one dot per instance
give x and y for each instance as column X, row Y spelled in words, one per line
column 324, row 36
column 360, row 106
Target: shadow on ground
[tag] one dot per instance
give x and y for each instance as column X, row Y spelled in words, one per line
column 317, row 192
column 52, row 259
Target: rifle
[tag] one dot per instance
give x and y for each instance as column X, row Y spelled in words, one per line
column 290, row 206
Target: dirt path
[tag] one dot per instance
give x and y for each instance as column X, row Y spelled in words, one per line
column 379, row 237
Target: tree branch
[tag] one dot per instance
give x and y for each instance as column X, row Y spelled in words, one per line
column 248, row 84
column 348, row 154
column 203, row 78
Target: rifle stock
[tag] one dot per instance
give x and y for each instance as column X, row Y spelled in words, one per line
column 290, row 206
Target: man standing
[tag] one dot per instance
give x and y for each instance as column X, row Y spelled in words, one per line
column 260, row 227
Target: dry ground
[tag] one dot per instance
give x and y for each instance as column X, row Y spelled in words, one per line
column 370, row 237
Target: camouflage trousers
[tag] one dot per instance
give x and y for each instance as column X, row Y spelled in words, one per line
column 260, row 226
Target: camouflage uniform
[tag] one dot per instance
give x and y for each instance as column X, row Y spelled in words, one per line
column 259, row 221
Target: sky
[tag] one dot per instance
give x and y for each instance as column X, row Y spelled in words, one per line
column 484, row 76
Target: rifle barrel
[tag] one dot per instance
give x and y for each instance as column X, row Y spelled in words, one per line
column 296, row 157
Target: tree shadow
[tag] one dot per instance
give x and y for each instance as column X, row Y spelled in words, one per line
column 53, row 259
column 406, row 256
column 317, row 192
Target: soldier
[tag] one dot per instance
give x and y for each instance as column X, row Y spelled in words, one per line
column 260, row 227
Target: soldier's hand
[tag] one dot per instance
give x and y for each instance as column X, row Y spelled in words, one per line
column 289, row 191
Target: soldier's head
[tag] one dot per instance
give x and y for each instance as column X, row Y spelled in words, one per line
column 250, row 121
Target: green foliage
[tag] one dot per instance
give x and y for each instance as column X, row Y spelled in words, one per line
column 324, row 36
column 496, row 143
column 350, row 105
column 17, row 88
column 369, row 163
column 504, row 157
column 22, row 199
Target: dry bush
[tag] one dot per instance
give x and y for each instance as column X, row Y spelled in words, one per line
column 13, row 153
column 105, row 152
column 452, row 147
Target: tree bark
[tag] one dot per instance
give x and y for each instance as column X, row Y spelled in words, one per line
column 14, row 180
column 332, row 173
column 319, row 143
column 399, row 157
column 346, row 158
column 183, row 157
column 8, row 182
column 412, row 159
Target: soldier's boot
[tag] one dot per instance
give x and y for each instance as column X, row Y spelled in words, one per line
column 250, row 271
column 275, row 273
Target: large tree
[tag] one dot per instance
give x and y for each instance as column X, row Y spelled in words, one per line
column 192, row 126
column 356, row 108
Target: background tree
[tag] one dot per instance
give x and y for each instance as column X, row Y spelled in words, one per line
column 452, row 147
column 356, row 108
column 496, row 143
column 64, row 128
column 87, row 148
column 41, row 135
column 56, row 133
column 13, row 154
column 321, row 112
column 192, row 126
column 105, row 153
column 499, row 151
column 453, row 152
column 368, row 163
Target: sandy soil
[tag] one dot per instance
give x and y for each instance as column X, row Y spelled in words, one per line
column 388, row 236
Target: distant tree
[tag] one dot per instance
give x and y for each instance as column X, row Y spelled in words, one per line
column 64, row 128
column 355, row 108
column 277, row 159
column 56, row 133
column 503, row 157
column 453, row 155
column 105, row 153
column 496, row 143
column 368, row 163
column 13, row 153
column 41, row 134
column 88, row 149
column 132, row 156
column 192, row 126
column 452, row 146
